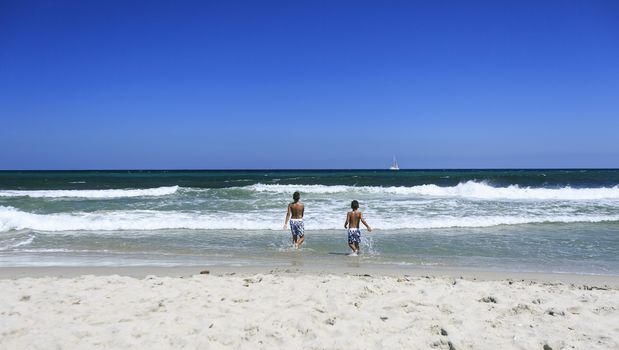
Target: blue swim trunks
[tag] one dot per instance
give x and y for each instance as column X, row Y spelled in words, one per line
column 354, row 235
column 297, row 228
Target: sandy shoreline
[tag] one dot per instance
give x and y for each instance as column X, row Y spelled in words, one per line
column 235, row 308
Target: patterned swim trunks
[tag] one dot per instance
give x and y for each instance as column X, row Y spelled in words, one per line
column 354, row 235
column 297, row 228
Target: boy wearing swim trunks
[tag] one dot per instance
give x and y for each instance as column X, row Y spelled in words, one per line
column 352, row 224
column 297, row 228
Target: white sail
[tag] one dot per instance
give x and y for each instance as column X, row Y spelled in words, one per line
column 394, row 166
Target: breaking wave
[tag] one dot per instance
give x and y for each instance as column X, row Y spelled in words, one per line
column 469, row 189
column 14, row 219
column 93, row 194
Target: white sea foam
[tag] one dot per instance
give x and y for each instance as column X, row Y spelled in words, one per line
column 469, row 189
column 14, row 219
column 94, row 194
column 303, row 188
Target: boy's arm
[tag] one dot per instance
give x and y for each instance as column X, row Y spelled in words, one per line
column 365, row 223
column 347, row 217
column 287, row 218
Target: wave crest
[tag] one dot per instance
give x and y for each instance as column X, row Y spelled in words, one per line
column 92, row 194
column 144, row 220
column 469, row 189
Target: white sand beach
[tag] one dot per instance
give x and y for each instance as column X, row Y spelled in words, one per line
column 299, row 309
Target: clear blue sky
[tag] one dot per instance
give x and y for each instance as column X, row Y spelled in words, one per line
column 308, row 84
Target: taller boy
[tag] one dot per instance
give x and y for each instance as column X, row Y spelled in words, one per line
column 297, row 228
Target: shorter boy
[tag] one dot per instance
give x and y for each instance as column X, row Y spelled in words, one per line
column 352, row 224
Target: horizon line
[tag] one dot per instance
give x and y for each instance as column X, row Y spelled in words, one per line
column 305, row 169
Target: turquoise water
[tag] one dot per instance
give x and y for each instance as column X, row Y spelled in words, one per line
column 522, row 220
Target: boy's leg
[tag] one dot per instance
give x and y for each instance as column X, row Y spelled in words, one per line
column 300, row 233
column 294, row 229
column 351, row 241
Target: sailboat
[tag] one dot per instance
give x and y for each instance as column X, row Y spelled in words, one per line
column 394, row 166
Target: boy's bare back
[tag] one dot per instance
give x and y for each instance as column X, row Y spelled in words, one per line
column 296, row 210
column 354, row 217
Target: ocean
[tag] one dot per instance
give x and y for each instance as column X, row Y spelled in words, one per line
column 564, row 221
